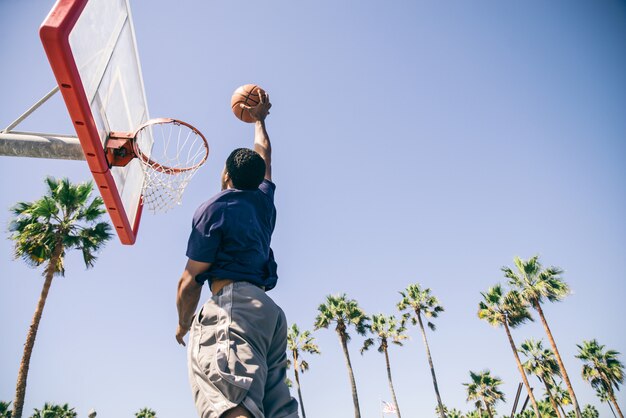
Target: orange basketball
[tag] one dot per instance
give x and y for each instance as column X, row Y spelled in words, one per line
column 247, row 95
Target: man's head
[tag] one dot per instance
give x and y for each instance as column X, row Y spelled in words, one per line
column 245, row 168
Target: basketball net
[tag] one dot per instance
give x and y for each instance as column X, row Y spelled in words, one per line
column 180, row 150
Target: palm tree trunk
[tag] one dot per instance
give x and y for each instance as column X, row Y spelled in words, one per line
column 488, row 409
column 559, row 401
column 22, row 375
column 521, row 369
column 570, row 390
column 612, row 410
column 552, row 401
column 561, row 407
column 355, row 396
column 619, row 411
column 393, row 392
column 432, row 367
column 295, row 372
column 563, row 410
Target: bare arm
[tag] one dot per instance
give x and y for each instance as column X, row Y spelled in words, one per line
column 262, row 143
column 263, row 146
column 188, row 296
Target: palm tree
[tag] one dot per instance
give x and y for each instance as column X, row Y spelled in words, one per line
column 589, row 411
column 445, row 410
column 507, row 310
column 477, row 413
column 145, row 413
column 43, row 231
column 536, row 284
column 453, row 413
column 561, row 396
column 385, row 330
column 300, row 343
column 601, row 393
column 56, row 411
column 602, row 369
column 479, row 409
column 421, row 302
column 545, row 409
column 541, row 363
column 343, row 312
column 483, row 389
column 5, row 409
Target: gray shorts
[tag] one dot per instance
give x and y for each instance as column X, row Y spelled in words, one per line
column 237, row 355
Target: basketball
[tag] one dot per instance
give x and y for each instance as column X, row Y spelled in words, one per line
column 246, row 95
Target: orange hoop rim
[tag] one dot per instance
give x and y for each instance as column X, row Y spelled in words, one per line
column 160, row 167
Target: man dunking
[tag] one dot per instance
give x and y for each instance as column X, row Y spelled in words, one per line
column 237, row 342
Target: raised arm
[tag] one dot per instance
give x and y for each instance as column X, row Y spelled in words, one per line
column 262, row 143
column 263, row 146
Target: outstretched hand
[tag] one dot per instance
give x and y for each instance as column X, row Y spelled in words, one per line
column 261, row 110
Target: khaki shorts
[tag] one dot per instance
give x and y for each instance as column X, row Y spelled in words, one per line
column 237, row 355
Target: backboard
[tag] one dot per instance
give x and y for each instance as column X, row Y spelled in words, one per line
column 92, row 50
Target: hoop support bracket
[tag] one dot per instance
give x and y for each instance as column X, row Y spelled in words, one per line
column 119, row 149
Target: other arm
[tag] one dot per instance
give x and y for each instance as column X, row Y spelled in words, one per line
column 188, row 296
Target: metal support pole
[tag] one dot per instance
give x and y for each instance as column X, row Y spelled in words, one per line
column 39, row 145
column 59, row 147
column 31, row 110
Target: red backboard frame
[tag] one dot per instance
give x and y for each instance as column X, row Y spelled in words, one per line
column 54, row 33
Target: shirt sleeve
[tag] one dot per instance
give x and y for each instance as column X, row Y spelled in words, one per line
column 206, row 234
column 268, row 188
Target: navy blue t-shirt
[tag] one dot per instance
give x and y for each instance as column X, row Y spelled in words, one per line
column 232, row 231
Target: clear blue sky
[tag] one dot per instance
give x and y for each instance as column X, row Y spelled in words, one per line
column 414, row 141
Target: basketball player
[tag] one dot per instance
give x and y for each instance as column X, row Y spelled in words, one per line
column 237, row 344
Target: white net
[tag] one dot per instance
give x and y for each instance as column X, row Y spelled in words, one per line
column 177, row 151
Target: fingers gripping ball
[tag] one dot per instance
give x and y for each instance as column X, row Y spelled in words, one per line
column 247, row 95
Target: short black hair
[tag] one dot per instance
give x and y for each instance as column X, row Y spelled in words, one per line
column 246, row 168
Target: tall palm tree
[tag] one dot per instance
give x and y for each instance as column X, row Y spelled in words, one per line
column 43, row 231
column 420, row 302
column 536, row 285
column 344, row 312
column 541, row 363
column 298, row 343
column 507, row 310
column 483, row 389
column 385, row 330
column 602, row 369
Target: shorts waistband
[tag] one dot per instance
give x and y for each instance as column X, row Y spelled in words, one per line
column 216, row 285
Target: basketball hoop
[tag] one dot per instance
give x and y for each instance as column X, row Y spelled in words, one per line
column 170, row 152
